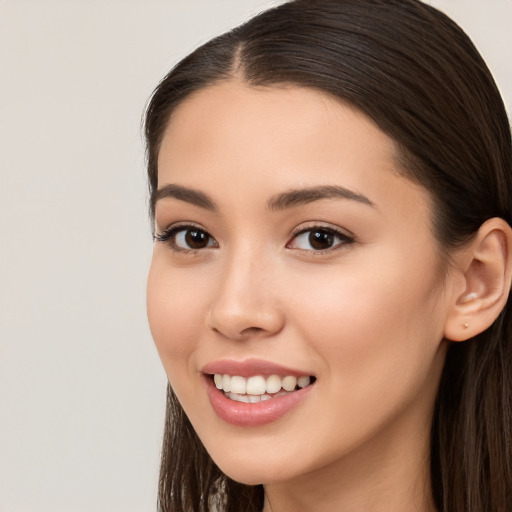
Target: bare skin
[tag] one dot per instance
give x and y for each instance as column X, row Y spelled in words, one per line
column 365, row 310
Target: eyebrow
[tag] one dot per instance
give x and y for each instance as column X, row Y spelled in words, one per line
column 300, row 196
column 283, row 201
column 188, row 195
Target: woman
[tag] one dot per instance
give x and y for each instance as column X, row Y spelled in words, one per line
column 330, row 188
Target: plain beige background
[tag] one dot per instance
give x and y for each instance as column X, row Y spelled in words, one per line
column 81, row 388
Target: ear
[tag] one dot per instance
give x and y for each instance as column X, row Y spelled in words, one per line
column 485, row 266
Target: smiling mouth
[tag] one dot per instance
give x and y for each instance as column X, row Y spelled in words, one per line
column 258, row 388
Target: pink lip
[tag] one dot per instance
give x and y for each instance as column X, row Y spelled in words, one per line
column 252, row 415
column 250, row 367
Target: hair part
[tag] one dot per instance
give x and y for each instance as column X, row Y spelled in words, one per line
column 416, row 74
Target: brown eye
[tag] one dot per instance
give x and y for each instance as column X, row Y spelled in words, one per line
column 191, row 238
column 194, row 238
column 187, row 238
column 319, row 239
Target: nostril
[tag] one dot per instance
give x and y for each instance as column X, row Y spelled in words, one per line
column 248, row 332
column 251, row 331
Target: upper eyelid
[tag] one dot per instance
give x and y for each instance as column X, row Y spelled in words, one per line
column 176, row 226
column 165, row 235
column 181, row 224
column 298, row 230
column 168, row 235
column 308, row 226
column 345, row 238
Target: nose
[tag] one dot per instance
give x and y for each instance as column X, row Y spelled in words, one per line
column 246, row 302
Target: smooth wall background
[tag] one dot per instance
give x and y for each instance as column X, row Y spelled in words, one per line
column 81, row 388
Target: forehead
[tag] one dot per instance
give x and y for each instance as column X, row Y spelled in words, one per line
column 274, row 124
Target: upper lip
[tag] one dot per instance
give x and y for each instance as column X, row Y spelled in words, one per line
column 250, row 367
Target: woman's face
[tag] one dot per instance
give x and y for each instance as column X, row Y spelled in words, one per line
column 288, row 245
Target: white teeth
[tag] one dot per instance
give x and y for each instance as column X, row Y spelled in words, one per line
column 226, row 380
column 250, row 399
column 238, row 385
column 217, row 378
column 238, row 398
column 273, row 384
column 257, row 386
column 289, row 383
column 302, row 382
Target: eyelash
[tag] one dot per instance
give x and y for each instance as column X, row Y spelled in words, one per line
column 168, row 236
column 343, row 237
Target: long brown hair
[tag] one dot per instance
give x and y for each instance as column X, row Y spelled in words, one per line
column 418, row 76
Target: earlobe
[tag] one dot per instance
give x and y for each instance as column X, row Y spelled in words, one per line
column 486, row 268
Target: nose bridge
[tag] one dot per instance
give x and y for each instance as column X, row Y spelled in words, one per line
column 246, row 300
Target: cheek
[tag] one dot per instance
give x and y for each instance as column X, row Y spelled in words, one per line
column 372, row 325
column 175, row 307
column 375, row 338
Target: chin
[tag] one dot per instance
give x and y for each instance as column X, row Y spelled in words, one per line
column 252, row 470
column 246, row 477
column 251, row 476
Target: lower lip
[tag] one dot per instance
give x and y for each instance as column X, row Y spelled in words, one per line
column 242, row 414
